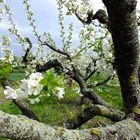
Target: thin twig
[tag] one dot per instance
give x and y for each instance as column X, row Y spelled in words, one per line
column 102, row 82
column 57, row 50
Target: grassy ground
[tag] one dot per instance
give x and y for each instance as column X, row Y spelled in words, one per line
column 51, row 110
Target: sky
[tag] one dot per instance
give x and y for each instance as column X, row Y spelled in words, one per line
column 46, row 15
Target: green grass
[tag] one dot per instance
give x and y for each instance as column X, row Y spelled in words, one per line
column 111, row 95
column 53, row 111
column 10, row 107
column 109, row 92
column 50, row 110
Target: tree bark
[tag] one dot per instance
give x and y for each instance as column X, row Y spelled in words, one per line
column 123, row 25
column 25, row 109
column 23, row 128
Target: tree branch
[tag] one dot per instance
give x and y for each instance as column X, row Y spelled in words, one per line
column 100, row 15
column 24, row 107
column 25, row 59
column 102, row 82
column 90, row 112
column 22, row 128
column 50, row 64
column 91, row 73
column 76, row 76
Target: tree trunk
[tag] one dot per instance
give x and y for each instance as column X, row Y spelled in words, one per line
column 123, row 25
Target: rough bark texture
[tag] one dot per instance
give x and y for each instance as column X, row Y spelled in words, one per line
column 22, row 128
column 123, row 25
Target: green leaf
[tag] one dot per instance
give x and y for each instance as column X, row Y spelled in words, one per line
column 44, row 81
column 51, row 81
column 16, row 76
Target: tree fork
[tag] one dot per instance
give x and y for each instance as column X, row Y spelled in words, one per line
column 75, row 75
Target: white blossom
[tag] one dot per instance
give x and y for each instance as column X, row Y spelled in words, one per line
column 33, row 101
column 6, row 54
column 60, row 93
column 82, row 7
column 10, row 93
column 27, row 87
column 36, row 76
column 21, row 94
column 38, row 89
column 32, row 85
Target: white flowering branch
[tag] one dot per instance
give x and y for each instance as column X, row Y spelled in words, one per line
column 13, row 29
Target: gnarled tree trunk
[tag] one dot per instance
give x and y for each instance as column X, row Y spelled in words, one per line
column 123, row 26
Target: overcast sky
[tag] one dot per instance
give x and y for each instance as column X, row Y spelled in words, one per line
column 45, row 13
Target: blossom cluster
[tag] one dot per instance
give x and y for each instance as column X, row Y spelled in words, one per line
column 30, row 87
column 81, row 7
column 27, row 87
